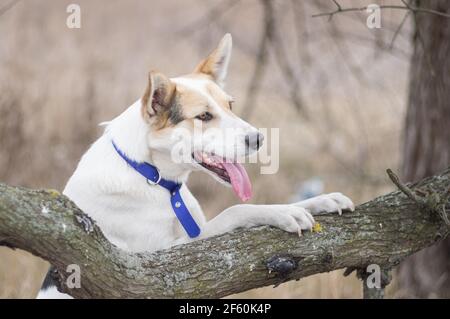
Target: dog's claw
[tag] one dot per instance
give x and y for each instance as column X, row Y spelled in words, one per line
column 333, row 202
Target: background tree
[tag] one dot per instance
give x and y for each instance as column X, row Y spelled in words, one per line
column 426, row 140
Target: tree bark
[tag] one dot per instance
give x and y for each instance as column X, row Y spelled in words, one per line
column 383, row 231
column 427, row 140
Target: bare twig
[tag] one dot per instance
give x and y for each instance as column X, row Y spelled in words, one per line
column 282, row 59
column 271, row 36
column 302, row 33
column 397, row 31
column 406, row 6
column 261, row 61
column 8, row 6
column 403, row 188
column 430, row 201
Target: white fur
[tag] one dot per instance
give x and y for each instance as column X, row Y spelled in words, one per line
column 52, row 293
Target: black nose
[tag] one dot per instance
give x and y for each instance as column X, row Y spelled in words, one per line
column 254, row 140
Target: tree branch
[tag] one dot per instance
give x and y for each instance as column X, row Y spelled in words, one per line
column 382, row 231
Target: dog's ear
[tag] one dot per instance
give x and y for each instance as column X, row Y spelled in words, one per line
column 216, row 64
column 158, row 95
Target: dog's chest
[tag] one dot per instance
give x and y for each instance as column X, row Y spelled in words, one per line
column 137, row 218
column 144, row 227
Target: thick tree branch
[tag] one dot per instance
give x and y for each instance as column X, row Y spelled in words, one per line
column 382, row 231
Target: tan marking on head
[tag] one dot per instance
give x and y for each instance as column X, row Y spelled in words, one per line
column 197, row 76
column 192, row 103
column 219, row 96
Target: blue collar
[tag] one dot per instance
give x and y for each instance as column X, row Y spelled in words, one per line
column 151, row 173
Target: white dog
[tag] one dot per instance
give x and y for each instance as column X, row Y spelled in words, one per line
column 130, row 183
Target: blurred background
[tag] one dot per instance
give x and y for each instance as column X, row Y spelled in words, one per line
column 338, row 91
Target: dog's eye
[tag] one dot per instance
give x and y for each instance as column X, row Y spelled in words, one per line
column 205, row 117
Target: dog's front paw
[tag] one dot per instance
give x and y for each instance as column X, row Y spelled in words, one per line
column 294, row 219
column 332, row 202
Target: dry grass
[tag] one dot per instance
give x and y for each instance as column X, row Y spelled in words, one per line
column 57, row 83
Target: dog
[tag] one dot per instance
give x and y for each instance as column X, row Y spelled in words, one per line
column 139, row 213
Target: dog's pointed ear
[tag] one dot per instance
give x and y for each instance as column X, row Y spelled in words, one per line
column 158, row 95
column 216, row 64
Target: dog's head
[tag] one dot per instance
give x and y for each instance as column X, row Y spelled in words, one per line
column 191, row 118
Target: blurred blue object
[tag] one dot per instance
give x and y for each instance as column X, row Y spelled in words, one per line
column 307, row 189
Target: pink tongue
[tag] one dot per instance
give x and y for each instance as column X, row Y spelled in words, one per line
column 239, row 180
